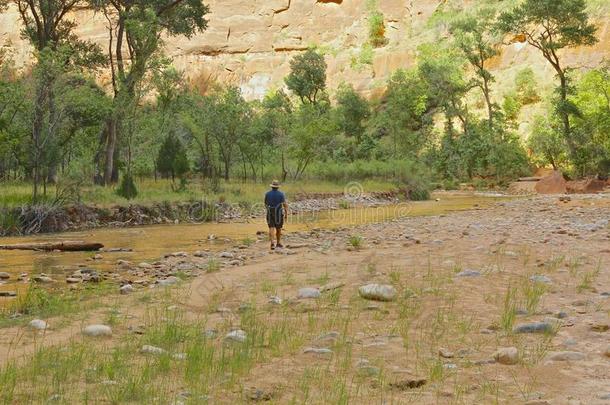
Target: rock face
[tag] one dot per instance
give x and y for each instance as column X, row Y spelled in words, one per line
column 553, row 184
column 591, row 185
column 250, row 43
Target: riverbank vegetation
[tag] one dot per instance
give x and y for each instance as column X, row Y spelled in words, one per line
column 63, row 130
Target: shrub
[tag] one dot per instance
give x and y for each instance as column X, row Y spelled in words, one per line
column 128, row 188
column 376, row 29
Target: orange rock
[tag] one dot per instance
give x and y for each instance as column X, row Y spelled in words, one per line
column 586, row 186
column 553, row 184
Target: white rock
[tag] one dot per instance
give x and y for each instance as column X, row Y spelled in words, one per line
column 566, row 356
column 377, row 292
column 236, row 336
column 148, row 349
column 171, row 280
column 308, row 292
column 38, row 324
column 127, row 289
column 317, row 350
column 98, row 330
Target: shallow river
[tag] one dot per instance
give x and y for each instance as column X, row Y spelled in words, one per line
column 149, row 243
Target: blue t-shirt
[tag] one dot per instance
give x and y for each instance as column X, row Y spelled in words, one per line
column 274, row 198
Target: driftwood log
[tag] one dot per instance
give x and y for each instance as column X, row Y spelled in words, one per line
column 64, row 246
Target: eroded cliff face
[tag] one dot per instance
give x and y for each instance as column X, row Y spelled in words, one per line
column 250, row 42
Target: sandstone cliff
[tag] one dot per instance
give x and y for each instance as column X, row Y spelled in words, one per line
column 249, row 42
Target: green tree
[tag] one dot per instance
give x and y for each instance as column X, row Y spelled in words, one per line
column 137, row 28
column 550, row 26
column 276, row 119
column 525, row 86
column 307, row 78
column 473, row 39
column 546, row 144
column 352, row 111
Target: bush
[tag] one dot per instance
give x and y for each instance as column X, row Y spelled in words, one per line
column 376, row 29
column 128, row 188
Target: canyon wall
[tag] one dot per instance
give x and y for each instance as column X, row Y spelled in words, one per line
column 250, row 42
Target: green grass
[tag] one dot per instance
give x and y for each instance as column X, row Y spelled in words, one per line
column 150, row 191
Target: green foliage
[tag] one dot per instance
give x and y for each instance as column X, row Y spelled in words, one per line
column 352, row 112
column 127, row 189
column 525, row 85
column 307, row 78
column 376, row 29
column 171, row 160
column 547, row 144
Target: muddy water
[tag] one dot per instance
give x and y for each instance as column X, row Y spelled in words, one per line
column 152, row 242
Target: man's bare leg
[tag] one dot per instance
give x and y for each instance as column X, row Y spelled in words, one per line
column 278, row 235
column 272, row 237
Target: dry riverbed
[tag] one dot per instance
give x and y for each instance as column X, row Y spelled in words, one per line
column 502, row 304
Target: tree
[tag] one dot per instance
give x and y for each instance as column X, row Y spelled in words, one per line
column 307, row 78
column 57, row 51
column 549, row 26
column 276, row 118
column 547, row 144
column 352, row 111
column 137, row 28
column 472, row 37
column 172, row 160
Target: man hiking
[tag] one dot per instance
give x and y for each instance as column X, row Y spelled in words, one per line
column 277, row 209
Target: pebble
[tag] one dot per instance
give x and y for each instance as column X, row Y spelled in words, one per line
column 4, row 275
column 171, row 280
column 38, row 324
column 148, row 349
column 73, row 280
column 238, row 335
column 539, row 278
column 377, row 292
column 308, row 292
column 317, row 350
column 507, row 355
column 226, row 255
column 533, row 327
column 98, row 330
column 468, row 273
column 42, row 279
column 274, row 299
column 566, row 356
column 127, row 289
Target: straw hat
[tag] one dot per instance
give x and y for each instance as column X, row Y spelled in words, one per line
column 275, row 184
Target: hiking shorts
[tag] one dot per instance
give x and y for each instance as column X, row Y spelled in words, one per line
column 275, row 218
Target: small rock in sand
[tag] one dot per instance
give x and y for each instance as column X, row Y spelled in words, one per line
column 507, row 355
column 127, row 289
column 236, row 336
column 534, row 327
column 468, row 273
column 148, row 349
column 308, row 292
column 566, row 356
column 4, row 275
column 97, row 330
column 38, row 324
column 377, row 292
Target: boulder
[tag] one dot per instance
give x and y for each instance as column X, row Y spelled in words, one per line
column 553, row 184
column 308, row 292
column 586, row 186
column 38, row 324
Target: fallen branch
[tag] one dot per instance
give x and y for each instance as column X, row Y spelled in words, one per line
column 65, row 246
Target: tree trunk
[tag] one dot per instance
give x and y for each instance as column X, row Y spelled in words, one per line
column 111, row 141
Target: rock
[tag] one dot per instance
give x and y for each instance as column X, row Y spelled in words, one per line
column 331, row 286
column 97, row 257
column 328, row 338
column 238, row 335
column 42, row 279
column 148, row 349
column 566, row 356
column 274, row 299
column 171, row 280
column 73, row 280
column 538, row 278
column 257, row 394
column 127, row 289
column 408, row 383
column 4, row 275
column 226, row 255
column 38, row 324
column 377, row 292
column 506, row 355
column 210, row 333
column 97, row 330
column 534, row 327
column 445, row 353
column 8, row 294
column 308, row 292
column 600, row 327
column 468, row 273
column 553, row 184
column 317, row 350
column 145, row 265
